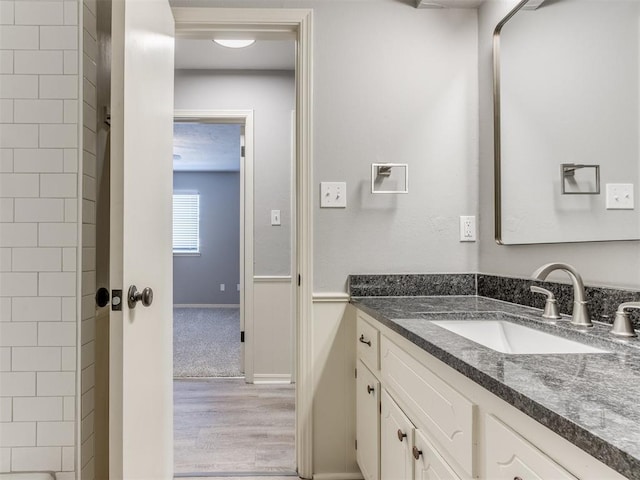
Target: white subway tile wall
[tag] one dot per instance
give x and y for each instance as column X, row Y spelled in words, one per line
column 39, row 235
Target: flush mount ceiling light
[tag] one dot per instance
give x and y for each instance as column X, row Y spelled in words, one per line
column 234, row 43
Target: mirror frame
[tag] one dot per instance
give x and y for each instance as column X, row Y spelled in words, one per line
column 497, row 155
column 498, row 233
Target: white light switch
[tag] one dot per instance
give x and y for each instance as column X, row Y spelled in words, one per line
column 333, row 194
column 275, row 217
column 222, row 287
column 619, row 196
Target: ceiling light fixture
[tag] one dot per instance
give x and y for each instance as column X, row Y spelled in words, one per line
column 229, row 43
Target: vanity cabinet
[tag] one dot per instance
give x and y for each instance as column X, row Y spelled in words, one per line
column 396, row 441
column 405, row 452
column 509, row 456
column 418, row 418
column 367, row 422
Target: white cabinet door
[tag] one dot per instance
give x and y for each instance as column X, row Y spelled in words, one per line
column 429, row 465
column 140, row 356
column 368, row 423
column 396, row 434
column 509, row 456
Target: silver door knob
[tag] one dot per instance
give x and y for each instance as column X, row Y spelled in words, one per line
column 134, row 296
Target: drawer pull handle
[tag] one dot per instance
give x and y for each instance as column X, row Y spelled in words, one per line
column 416, row 453
column 370, row 389
column 366, row 342
column 517, row 478
column 401, row 436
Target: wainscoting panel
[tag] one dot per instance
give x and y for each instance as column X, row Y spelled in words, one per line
column 272, row 329
column 334, row 357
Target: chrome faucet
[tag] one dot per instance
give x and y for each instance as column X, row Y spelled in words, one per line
column 580, row 314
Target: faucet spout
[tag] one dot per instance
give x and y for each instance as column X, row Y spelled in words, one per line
column 580, row 315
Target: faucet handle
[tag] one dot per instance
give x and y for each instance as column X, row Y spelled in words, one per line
column 622, row 326
column 551, row 305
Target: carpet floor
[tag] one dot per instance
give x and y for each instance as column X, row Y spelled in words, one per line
column 206, row 342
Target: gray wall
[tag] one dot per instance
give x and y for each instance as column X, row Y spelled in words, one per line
column 391, row 83
column 197, row 279
column 609, row 263
column 271, row 96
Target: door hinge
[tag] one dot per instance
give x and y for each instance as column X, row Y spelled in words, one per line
column 241, row 337
column 356, row 444
column 299, row 279
column 356, row 372
column 242, row 151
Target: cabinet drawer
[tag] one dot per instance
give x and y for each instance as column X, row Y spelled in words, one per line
column 434, row 406
column 509, row 456
column 430, row 465
column 368, row 340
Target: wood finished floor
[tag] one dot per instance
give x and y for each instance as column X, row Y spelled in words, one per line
column 226, row 425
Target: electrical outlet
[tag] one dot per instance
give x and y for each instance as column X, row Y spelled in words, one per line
column 467, row 228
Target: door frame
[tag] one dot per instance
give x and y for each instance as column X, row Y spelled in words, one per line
column 245, row 118
column 297, row 24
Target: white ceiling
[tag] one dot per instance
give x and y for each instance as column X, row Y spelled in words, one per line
column 206, row 147
column 216, row 147
column 262, row 55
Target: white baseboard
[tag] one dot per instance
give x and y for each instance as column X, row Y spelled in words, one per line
column 271, row 378
column 337, row 476
column 206, row 305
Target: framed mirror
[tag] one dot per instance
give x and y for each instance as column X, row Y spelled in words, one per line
column 567, row 122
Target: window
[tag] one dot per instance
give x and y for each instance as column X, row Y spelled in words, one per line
column 186, row 223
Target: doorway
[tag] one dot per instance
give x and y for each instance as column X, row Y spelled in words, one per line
column 215, row 418
column 140, row 423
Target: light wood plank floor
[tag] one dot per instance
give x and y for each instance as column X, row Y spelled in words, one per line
column 226, row 425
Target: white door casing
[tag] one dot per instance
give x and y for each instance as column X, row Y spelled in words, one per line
column 140, row 356
column 293, row 23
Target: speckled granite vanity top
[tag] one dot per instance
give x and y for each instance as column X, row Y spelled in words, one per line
column 592, row 400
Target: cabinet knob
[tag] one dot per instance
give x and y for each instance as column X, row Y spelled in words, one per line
column 362, row 340
column 401, row 436
column 370, row 389
column 416, row 453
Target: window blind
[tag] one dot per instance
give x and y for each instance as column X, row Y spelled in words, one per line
column 186, row 223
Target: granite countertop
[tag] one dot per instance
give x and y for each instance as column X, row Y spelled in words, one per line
column 592, row 400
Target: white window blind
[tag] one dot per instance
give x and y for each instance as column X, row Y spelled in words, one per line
column 186, row 223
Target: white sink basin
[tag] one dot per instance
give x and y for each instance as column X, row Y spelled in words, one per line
column 507, row 337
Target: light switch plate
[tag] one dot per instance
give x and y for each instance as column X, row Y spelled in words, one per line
column 619, row 196
column 275, row 217
column 333, row 194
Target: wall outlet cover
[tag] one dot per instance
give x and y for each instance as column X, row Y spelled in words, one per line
column 467, row 228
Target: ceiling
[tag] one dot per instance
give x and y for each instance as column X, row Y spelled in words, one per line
column 263, row 55
column 200, row 147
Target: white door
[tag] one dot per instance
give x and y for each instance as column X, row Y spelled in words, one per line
column 140, row 396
